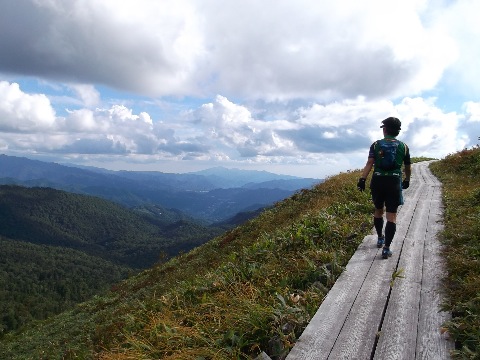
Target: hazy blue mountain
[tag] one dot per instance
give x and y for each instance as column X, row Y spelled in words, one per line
column 164, row 181
column 228, row 178
column 217, row 178
column 211, row 195
column 292, row 184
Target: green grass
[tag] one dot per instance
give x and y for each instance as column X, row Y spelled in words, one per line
column 460, row 175
column 253, row 289
column 421, row 158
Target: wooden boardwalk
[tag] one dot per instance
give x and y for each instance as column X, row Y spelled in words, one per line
column 363, row 317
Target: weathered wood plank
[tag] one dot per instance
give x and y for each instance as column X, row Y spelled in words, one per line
column 397, row 339
column 431, row 345
column 357, row 337
column 318, row 338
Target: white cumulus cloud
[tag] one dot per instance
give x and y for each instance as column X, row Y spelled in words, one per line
column 21, row 112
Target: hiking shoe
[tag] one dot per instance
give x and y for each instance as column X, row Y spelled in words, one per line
column 386, row 252
column 380, row 241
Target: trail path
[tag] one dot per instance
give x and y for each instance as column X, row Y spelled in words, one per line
column 363, row 317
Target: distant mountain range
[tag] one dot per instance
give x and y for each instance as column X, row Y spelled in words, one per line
column 212, row 195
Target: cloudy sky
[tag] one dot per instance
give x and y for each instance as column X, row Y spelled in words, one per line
column 292, row 87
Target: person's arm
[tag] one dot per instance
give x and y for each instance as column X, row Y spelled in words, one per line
column 408, row 171
column 406, row 180
column 368, row 167
column 366, row 171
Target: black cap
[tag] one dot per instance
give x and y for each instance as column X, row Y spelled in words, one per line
column 391, row 123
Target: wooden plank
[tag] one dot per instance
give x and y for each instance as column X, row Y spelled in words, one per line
column 319, row 336
column 358, row 334
column 397, row 338
column 431, row 345
column 411, row 260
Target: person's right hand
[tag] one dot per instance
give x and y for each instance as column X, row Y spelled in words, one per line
column 361, row 184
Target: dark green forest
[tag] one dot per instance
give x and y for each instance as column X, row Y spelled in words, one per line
column 59, row 248
column 38, row 281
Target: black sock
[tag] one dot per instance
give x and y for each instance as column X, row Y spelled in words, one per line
column 390, row 229
column 378, row 223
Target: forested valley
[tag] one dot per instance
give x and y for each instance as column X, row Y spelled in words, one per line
column 58, row 248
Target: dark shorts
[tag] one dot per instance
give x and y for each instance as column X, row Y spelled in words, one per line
column 387, row 192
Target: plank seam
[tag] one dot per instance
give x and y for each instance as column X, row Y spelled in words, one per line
column 374, row 348
column 350, row 310
column 423, row 271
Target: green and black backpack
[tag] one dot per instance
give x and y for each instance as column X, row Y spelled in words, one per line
column 389, row 155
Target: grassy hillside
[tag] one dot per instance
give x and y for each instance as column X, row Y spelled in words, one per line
column 460, row 175
column 256, row 287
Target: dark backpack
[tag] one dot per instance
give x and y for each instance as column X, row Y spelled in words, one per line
column 386, row 154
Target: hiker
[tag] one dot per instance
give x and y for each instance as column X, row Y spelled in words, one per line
column 386, row 156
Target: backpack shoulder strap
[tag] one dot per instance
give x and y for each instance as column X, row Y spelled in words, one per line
column 376, row 147
column 405, row 147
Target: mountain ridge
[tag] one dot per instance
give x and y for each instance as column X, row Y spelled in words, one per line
column 194, row 194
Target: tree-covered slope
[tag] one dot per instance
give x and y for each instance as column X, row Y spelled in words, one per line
column 38, row 281
column 58, row 249
column 95, row 226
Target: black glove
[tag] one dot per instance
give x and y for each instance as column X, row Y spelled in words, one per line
column 405, row 184
column 361, row 184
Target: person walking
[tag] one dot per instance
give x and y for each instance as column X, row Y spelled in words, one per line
column 386, row 157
